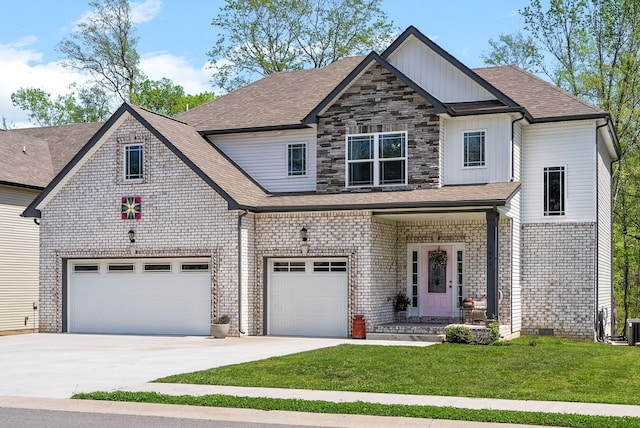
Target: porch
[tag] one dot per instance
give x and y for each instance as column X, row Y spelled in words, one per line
column 429, row 331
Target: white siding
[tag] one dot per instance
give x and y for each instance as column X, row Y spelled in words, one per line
column 604, row 233
column 18, row 260
column 516, row 290
column 263, row 155
column 436, row 75
column 497, row 150
column 568, row 144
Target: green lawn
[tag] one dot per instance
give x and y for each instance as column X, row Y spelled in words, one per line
column 554, row 369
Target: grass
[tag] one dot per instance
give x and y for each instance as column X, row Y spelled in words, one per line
column 499, row 416
column 554, row 370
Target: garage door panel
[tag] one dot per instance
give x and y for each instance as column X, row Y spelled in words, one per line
column 139, row 302
column 307, row 303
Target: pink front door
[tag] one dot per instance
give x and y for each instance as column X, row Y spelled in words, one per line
column 436, row 284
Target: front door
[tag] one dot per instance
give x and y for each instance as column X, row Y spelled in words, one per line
column 436, row 281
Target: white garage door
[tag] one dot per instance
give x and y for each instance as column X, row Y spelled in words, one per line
column 307, row 297
column 144, row 296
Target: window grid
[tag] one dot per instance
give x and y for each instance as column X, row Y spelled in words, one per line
column 459, row 268
column 330, row 266
column 554, row 191
column 378, row 159
column 414, row 278
column 133, row 162
column 288, row 266
column 474, row 148
column 296, row 159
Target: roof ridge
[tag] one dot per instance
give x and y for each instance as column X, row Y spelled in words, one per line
column 157, row 114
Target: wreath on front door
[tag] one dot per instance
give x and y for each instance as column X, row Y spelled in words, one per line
column 438, row 258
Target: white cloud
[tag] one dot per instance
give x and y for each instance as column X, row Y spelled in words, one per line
column 22, row 67
column 194, row 80
column 145, row 11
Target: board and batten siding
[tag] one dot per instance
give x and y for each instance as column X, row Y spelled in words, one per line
column 19, row 263
column 568, row 144
column 263, row 155
column 517, row 151
column 436, row 75
column 605, row 256
column 497, row 150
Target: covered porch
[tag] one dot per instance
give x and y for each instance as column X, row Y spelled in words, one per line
column 443, row 258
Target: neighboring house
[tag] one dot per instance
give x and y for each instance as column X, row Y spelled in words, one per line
column 27, row 165
column 308, row 197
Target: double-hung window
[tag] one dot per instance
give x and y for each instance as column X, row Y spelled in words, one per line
column 133, row 162
column 554, row 191
column 474, row 150
column 378, row 159
column 296, row 160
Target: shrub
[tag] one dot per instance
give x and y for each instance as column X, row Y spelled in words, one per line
column 460, row 334
column 494, row 334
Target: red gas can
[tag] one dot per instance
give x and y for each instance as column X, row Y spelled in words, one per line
column 359, row 330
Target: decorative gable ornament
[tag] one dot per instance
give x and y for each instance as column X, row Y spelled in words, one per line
column 131, row 208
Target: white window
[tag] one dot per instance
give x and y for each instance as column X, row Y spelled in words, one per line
column 296, row 159
column 554, row 191
column 377, row 159
column 474, row 150
column 133, row 162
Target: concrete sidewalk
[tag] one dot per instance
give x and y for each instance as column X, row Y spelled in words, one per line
column 594, row 409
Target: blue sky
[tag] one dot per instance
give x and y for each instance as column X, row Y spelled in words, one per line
column 175, row 36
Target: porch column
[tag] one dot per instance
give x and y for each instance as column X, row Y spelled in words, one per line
column 493, row 219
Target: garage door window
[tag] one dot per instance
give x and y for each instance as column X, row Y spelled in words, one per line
column 121, row 267
column 194, row 267
column 289, row 266
column 86, row 268
column 157, row 267
column 329, row 266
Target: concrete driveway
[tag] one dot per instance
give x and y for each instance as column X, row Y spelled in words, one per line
column 59, row 365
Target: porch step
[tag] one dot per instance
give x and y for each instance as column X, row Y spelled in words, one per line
column 415, row 337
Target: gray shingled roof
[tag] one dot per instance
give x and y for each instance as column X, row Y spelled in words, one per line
column 541, row 99
column 279, row 99
column 205, row 157
column 64, row 140
column 25, row 161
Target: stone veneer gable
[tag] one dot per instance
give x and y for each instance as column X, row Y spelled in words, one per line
column 378, row 102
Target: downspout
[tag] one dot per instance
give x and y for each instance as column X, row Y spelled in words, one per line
column 240, row 270
column 513, row 145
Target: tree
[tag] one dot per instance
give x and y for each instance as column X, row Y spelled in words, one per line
column 162, row 96
column 104, row 45
column 514, row 49
column 260, row 37
column 82, row 105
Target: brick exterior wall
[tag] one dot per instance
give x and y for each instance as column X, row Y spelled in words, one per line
column 181, row 216
column 379, row 102
column 558, row 278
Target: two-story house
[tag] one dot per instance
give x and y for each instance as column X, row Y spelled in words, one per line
column 308, row 197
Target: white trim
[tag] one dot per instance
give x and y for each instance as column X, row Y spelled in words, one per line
column 484, row 149
column 306, row 159
column 125, row 173
column 376, row 160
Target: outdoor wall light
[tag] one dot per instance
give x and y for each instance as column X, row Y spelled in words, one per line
column 132, row 236
column 304, row 236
